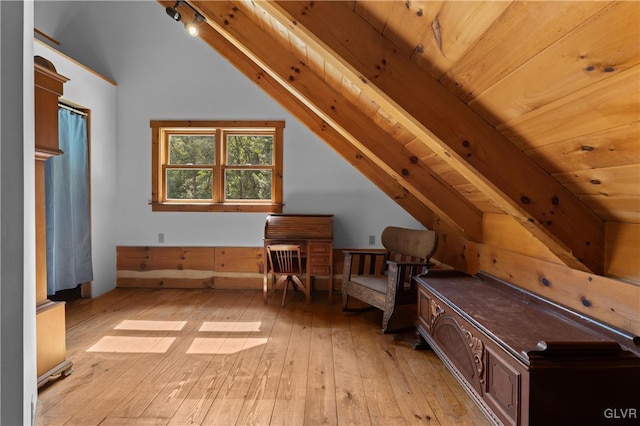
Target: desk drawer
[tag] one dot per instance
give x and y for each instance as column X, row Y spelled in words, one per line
column 319, row 247
column 319, row 270
column 319, row 255
column 316, row 260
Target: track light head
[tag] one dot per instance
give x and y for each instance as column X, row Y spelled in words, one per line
column 173, row 12
column 192, row 27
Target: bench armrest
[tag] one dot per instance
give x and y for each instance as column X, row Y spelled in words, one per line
column 425, row 263
column 362, row 252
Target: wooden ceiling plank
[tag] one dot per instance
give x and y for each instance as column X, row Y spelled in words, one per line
column 266, row 22
column 516, row 36
column 376, row 13
column 402, row 135
column 368, row 107
column 331, row 75
column 459, row 24
column 607, row 104
column 434, row 161
column 610, row 147
column 408, row 22
column 349, row 90
column 385, row 120
column 615, row 210
column 366, row 166
column 467, row 142
column 316, row 63
column 620, row 181
column 425, row 155
column 333, row 108
column 573, row 62
column 509, row 234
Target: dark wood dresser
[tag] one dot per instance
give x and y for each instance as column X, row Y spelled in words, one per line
column 314, row 233
column 525, row 360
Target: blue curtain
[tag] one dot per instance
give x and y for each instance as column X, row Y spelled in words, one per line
column 67, row 207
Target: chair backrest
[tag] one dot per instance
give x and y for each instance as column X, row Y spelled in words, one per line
column 410, row 242
column 285, row 259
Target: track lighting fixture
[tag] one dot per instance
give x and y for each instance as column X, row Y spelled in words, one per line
column 173, row 11
column 191, row 27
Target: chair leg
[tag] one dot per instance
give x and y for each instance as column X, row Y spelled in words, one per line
column 307, row 293
column 265, row 288
column 386, row 316
column 276, row 282
column 284, row 293
column 345, row 299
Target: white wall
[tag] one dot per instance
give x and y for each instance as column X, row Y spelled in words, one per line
column 91, row 91
column 162, row 73
column 18, row 382
column 29, row 369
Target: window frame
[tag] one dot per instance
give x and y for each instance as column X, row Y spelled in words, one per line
column 160, row 131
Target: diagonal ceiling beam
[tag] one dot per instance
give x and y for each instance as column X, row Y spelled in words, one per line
column 333, row 108
column 368, row 168
column 449, row 127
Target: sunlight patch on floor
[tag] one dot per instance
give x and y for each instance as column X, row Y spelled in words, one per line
column 145, row 325
column 160, row 344
column 128, row 344
column 224, row 346
column 234, row 326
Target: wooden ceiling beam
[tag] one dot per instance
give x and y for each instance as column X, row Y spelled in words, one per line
column 337, row 111
column 450, row 128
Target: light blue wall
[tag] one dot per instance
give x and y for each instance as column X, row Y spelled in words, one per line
column 162, row 73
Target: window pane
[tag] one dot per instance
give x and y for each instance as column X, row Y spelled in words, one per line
column 189, row 184
column 250, row 150
column 192, row 149
column 247, row 184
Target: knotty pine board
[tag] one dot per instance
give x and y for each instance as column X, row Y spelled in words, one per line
column 223, row 268
column 610, row 300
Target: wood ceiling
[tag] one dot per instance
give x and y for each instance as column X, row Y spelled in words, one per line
column 462, row 108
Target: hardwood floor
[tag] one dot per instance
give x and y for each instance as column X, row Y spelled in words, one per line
column 164, row 357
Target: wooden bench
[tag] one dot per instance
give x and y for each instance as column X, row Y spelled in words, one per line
column 383, row 279
column 526, row 360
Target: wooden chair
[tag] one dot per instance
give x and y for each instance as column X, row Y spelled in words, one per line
column 383, row 279
column 285, row 263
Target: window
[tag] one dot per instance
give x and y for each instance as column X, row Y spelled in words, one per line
column 217, row 166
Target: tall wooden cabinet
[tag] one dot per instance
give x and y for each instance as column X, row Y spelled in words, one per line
column 50, row 316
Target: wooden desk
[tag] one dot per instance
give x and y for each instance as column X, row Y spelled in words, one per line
column 314, row 233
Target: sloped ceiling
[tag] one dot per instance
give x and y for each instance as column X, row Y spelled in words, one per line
column 460, row 109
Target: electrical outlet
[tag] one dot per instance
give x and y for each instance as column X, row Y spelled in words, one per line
column 161, row 237
column 372, row 240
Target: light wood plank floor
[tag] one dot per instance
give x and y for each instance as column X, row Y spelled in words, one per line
column 164, row 357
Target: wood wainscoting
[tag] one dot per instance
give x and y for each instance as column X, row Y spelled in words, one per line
column 223, row 268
